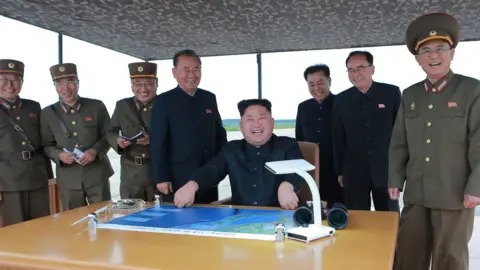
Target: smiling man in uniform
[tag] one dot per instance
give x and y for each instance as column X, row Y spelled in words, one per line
column 244, row 162
column 435, row 153
column 24, row 170
column 130, row 118
column 80, row 123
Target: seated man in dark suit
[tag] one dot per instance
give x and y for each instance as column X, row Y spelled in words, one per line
column 244, row 162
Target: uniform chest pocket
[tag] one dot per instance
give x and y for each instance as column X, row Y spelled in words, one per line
column 90, row 124
column 411, row 114
column 454, row 113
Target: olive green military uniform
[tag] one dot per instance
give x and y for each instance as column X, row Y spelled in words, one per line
column 435, row 152
column 24, row 170
column 86, row 124
column 131, row 117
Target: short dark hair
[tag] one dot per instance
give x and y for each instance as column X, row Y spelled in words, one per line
column 317, row 68
column 186, row 52
column 367, row 55
column 244, row 104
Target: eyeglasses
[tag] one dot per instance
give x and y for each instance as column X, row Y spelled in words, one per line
column 147, row 84
column 15, row 81
column 427, row 51
column 358, row 69
column 65, row 83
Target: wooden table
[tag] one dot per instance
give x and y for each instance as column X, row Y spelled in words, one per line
column 52, row 243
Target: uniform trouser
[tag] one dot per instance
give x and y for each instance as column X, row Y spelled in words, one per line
column 20, row 206
column 74, row 198
column 146, row 193
column 439, row 237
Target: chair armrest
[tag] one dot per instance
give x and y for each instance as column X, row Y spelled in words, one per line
column 224, row 201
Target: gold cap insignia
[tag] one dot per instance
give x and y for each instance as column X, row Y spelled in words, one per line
column 11, row 65
column 140, row 69
column 433, row 33
column 61, row 69
column 412, row 106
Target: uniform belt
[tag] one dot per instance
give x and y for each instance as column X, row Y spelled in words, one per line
column 139, row 160
column 22, row 155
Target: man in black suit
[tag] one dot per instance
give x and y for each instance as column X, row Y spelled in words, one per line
column 244, row 161
column 314, row 124
column 363, row 119
column 186, row 130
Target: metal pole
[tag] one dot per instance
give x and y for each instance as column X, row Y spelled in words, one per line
column 259, row 68
column 60, row 48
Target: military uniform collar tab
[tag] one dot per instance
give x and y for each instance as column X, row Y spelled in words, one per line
column 9, row 105
column 439, row 85
column 67, row 108
column 141, row 106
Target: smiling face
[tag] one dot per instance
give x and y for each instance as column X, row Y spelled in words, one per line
column 144, row 89
column 257, row 125
column 360, row 72
column 188, row 73
column 435, row 58
column 318, row 85
column 67, row 89
column 10, row 86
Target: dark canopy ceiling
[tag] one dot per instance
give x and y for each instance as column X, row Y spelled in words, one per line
column 156, row 29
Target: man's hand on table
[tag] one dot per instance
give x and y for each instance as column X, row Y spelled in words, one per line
column 165, row 187
column 185, row 196
column 287, row 197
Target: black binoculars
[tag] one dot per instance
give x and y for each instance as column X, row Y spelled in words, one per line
column 336, row 216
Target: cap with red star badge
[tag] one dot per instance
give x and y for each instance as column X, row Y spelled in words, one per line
column 432, row 26
column 61, row 71
column 12, row 66
column 142, row 70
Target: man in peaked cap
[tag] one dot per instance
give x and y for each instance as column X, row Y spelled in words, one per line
column 130, row 119
column 24, row 170
column 434, row 153
column 74, row 137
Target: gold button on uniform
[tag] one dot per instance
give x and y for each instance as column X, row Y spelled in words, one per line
column 74, row 123
column 429, row 124
column 430, row 106
column 145, row 109
column 427, row 159
column 18, row 117
column 24, row 143
column 75, row 134
column 14, row 106
column 143, row 155
column 428, row 141
column 72, row 111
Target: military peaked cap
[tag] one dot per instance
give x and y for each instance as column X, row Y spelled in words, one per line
column 142, row 70
column 430, row 27
column 12, row 66
column 61, row 71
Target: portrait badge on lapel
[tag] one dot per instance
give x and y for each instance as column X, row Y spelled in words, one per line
column 208, row 111
column 381, row 106
column 88, row 119
column 32, row 115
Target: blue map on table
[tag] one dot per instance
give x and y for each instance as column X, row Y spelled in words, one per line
column 207, row 221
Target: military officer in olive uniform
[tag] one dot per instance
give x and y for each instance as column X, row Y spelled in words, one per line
column 435, row 153
column 130, row 118
column 81, row 123
column 24, row 170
